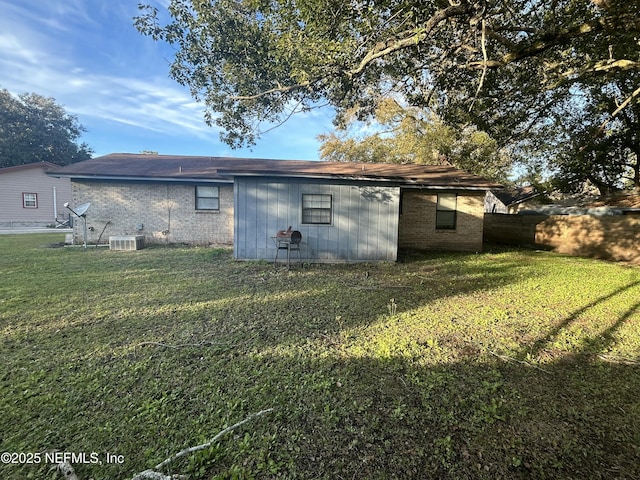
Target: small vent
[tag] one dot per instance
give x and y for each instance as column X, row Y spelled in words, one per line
column 127, row 242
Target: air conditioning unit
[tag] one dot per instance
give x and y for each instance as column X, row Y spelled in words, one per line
column 126, row 242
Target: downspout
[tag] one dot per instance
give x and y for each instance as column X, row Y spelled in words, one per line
column 55, row 206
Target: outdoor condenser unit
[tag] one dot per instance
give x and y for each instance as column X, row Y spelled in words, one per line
column 126, row 242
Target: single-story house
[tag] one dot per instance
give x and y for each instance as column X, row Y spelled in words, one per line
column 625, row 202
column 29, row 197
column 346, row 212
column 511, row 201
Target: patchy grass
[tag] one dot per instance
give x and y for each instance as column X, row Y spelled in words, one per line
column 507, row 364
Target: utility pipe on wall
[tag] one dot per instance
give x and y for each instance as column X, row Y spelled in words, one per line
column 55, row 206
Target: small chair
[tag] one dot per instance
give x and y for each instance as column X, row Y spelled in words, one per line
column 289, row 243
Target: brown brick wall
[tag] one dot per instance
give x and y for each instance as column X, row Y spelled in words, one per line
column 166, row 211
column 417, row 227
column 609, row 237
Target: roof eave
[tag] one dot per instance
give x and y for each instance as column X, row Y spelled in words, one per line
column 404, row 182
column 477, row 188
column 136, row 178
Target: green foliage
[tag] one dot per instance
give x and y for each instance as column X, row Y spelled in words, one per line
column 512, row 71
column 596, row 148
column 506, row 364
column 36, row 129
column 410, row 135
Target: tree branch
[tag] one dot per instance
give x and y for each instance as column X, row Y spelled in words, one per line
column 484, row 70
column 622, row 106
column 278, row 89
column 564, row 35
column 66, row 470
column 411, row 37
column 189, row 450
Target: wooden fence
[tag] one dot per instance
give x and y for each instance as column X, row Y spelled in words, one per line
column 608, row 237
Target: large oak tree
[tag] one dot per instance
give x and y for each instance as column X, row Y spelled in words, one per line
column 34, row 128
column 593, row 146
column 507, row 67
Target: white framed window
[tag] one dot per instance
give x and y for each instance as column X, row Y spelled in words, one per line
column 317, row 208
column 30, row 200
column 446, row 207
column 207, row 198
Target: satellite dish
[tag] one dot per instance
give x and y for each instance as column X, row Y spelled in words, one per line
column 82, row 209
column 81, row 212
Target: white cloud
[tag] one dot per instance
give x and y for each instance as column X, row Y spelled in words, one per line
column 32, row 61
column 152, row 105
column 87, row 55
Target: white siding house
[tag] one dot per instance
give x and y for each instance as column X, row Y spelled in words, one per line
column 30, row 197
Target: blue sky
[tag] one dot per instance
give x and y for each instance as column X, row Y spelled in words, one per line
column 88, row 56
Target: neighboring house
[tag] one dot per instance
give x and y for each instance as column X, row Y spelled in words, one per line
column 511, row 201
column 625, row 202
column 29, row 197
column 346, row 212
column 619, row 203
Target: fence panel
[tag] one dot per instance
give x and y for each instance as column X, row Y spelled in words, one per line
column 610, row 237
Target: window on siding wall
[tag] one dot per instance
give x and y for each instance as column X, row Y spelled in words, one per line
column 207, row 198
column 30, row 200
column 446, row 211
column 316, row 209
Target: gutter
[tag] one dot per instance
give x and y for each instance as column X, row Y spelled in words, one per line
column 140, row 179
column 398, row 181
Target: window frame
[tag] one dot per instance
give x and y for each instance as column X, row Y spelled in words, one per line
column 446, row 217
column 25, row 201
column 310, row 214
column 199, row 197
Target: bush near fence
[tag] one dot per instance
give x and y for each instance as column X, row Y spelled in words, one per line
column 614, row 237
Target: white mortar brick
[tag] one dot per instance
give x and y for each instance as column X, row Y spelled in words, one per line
column 166, row 211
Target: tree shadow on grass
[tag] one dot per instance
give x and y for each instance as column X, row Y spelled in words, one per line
column 140, row 300
column 418, row 409
column 591, row 345
column 338, row 416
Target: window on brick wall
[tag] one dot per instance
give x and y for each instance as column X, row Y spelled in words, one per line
column 207, row 198
column 446, row 211
column 30, row 200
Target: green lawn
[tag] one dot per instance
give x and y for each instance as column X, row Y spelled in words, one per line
column 507, row 364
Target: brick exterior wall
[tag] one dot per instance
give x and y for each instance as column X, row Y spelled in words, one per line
column 166, row 212
column 417, row 227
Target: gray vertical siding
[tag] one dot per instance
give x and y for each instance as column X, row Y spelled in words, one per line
column 364, row 225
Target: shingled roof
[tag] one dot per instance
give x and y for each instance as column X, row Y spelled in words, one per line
column 27, row 166
column 127, row 166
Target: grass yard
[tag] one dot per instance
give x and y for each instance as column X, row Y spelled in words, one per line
column 503, row 365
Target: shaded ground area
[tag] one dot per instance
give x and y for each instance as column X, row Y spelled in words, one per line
column 506, row 364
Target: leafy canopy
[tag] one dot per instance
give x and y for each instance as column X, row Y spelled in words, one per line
column 556, row 82
column 36, row 129
column 413, row 135
column 597, row 148
column 514, row 69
